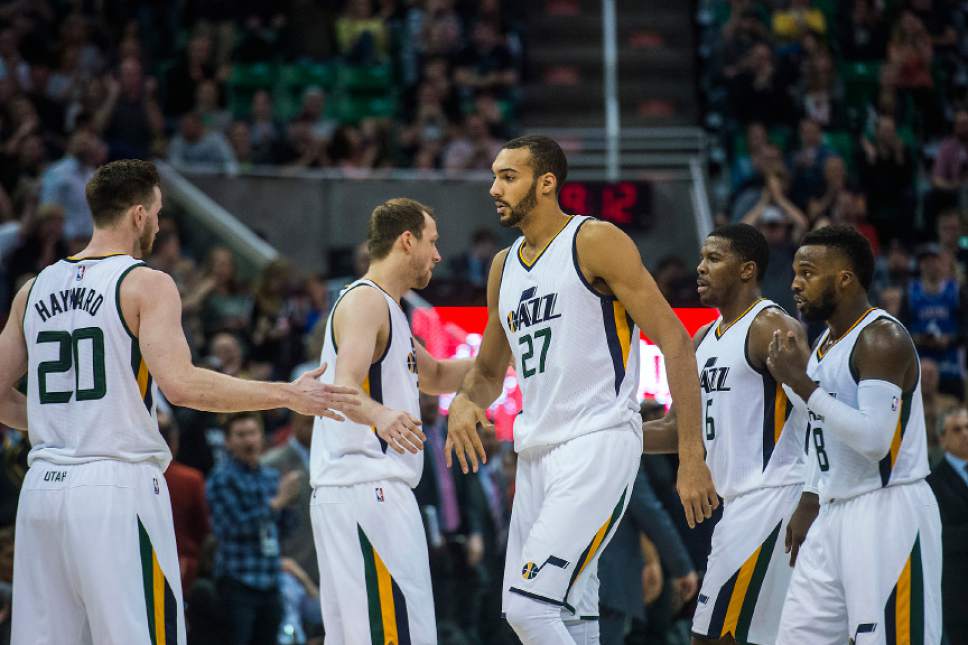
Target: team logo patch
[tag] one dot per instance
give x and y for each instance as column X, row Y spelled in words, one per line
column 80, row 273
column 379, row 494
column 154, row 481
column 703, row 599
column 894, row 404
column 863, row 628
column 531, row 570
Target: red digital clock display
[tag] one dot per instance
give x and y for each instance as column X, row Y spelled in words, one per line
column 625, row 203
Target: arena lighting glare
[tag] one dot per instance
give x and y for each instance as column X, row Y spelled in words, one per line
column 456, row 332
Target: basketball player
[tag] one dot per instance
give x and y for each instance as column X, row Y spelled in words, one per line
column 567, row 300
column 754, row 445
column 95, row 559
column 374, row 572
column 869, row 570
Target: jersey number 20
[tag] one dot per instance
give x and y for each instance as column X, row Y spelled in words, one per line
column 68, row 357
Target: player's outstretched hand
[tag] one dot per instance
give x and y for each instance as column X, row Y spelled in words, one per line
column 787, row 358
column 315, row 399
column 696, row 491
column 463, row 418
column 800, row 523
column 400, row 430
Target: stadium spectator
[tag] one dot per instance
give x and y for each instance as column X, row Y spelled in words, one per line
column 893, row 269
column 909, row 57
column 757, row 92
column 313, row 111
column 485, row 64
column 208, row 106
column 822, row 96
column 822, row 209
column 240, row 138
column 194, row 143
column 782, row 223
column 953, row 257
column 886, row 169
column 249, row 504
column 473, row 149
column 361, row 37
column 799, row 18
column 63, row 184
column 937, row 404
column 41, row 244
column 130, row 117
column 265, row 131
column 195, row 64
column 951, row 163
column 863, row 33
column 807, row 163
column 22, row 160
column 472, row 266
column 934, row 319
column 949, row 480
column 186, row 487
column 273, row 328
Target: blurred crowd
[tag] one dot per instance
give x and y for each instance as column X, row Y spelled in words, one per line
column 850, row 112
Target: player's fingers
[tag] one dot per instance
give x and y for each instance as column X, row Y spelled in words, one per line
column 471, row 450
column 316, row 373
column 484, row 421
column 478, row 447
column 690, row 520
column 458, row 444
column 395, row 443
column 329, row 414
column 408, row 441
column 713, row 499
column 342, row 392
column 698, row 510
column 449, row 451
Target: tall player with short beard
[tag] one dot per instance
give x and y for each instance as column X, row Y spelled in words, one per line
column 869, row 570
column 566, row 301
column 95, row 558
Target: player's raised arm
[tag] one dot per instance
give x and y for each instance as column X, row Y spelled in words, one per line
column 13, row 348
column 151, row 309
column 361, row 327
column 610, row 257
column 483, row 382
column 885, row 364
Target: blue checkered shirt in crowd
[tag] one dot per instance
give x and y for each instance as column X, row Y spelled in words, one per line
column 242, row 520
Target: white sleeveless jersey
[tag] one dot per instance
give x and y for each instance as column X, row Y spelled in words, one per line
column 752, row 438
column 89, row 392
column 845, row 473
column 576, row 352
column 347, row 453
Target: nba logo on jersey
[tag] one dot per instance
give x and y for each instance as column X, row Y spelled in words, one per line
column 379, row 494
column 154, row 481
column 894, row 404
column 80, row 272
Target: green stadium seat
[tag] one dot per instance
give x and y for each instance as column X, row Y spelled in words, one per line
column 361, row 79
column 351, row 108
column 253, row 76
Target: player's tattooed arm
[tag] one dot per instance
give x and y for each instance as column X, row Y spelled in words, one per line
column 611, row 263
column 482, row 384
column 661, row 436
column 13, row 348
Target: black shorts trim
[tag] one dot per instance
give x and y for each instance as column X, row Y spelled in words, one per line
column 534, row 596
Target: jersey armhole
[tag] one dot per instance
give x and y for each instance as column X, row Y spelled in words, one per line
column 577, row 264
column 332, row 322
column 746, row 342
column 117, row 297
column 23, row 316
column 917, row 359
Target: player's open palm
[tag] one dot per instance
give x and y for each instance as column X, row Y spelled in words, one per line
column 312, row 398
column 400, row 430
column 463, row 440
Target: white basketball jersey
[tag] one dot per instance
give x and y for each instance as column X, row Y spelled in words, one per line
column 89, row 392
column 576, row 352
column 844, row 472
column 752, row 440
column 347, row 453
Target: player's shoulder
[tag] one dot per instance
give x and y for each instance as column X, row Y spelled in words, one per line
column 885, row 335
column 701, row 333
column 594, row 231
column 140, row 280
column 772, row 318
column 362, row 297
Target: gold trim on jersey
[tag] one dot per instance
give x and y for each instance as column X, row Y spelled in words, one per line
column 821, row 350
column 624, row 331
column 720, row 330
column 543, row 248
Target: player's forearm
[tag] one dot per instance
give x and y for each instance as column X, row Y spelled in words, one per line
column 13, row 410
column 209, row 391
column 660, row 436
column 447, row 376
column 684, row 385
column 481, row 387
column 869, row 428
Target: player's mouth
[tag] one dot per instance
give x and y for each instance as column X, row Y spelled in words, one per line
column 702, row 286
column 500, row 206
column 799, row 301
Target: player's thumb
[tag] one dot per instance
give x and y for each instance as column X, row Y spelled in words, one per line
column 316, row 373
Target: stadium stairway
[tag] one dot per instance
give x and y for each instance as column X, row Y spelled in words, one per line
column 655, row 64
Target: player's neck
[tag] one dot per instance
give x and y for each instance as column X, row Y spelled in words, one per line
column 389, row 278
column 740, row 304
column 847, row 314
column 541, row 226
column 108, row 242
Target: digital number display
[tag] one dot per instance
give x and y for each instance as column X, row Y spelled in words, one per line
column 627, row 204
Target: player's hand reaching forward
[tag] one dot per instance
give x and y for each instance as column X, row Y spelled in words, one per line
column 462, row 438
column 696, row 491
column 400, row 430
column 310, row 397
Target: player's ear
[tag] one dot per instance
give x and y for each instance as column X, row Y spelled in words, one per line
column 548, row 183
column 407, row 241
column 747, row 271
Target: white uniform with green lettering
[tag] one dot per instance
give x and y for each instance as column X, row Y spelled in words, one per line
column 95, row 556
